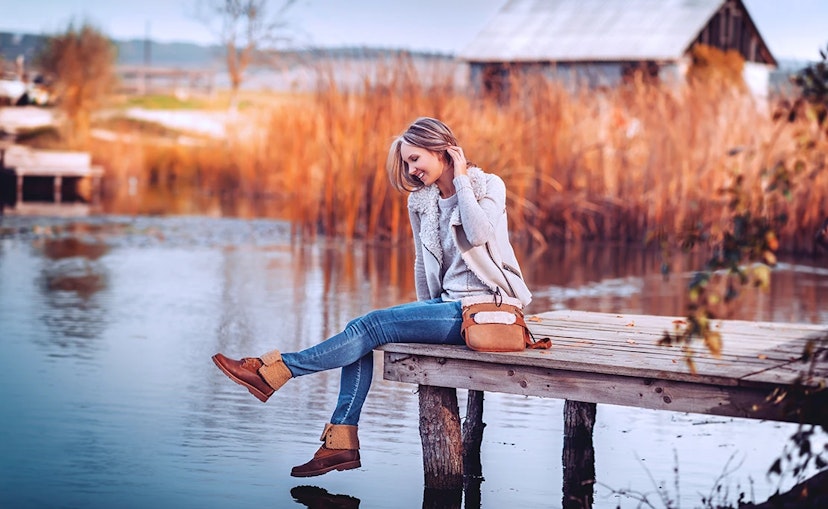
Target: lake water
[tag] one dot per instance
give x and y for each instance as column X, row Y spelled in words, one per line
column 110, row 399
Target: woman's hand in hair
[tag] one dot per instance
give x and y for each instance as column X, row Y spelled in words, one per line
column 459, row 160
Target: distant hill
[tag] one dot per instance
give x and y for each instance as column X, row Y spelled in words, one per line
column 14, row 45
column 130, row 52
column 169, row 54
column 180, row 55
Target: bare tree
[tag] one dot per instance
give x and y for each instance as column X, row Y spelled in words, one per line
column 245, row 27
column 81, row 63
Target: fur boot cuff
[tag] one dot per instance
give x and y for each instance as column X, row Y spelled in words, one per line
column 340, row 436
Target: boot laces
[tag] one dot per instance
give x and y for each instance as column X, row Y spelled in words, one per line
column 251, row 363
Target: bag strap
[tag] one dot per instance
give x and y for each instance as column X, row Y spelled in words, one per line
column 536, row 344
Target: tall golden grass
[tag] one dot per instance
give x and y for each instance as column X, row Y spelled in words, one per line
column 608, row 165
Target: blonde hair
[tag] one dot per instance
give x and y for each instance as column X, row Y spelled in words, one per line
column 426, row 133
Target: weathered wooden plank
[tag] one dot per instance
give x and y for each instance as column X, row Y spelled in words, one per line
column 585, row 386
column 764, row 334
column 771, row 332
column 750, row 348
column 601, row 350
column 579, row 359
column 736, row 346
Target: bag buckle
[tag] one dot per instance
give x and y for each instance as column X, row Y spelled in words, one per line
column 497, row 297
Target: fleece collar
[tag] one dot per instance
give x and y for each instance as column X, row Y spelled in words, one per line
column 424, row 203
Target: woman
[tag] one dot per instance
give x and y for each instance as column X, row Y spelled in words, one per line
column 458, row 216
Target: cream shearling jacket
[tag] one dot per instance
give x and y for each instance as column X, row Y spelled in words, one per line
column 480, row 231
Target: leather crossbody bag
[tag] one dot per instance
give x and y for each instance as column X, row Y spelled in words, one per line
column 493, row 323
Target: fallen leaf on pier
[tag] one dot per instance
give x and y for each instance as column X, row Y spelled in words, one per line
column 679, row 322
column 762, row 356
column 631, row 324
column 534, row 319
column 632, row 342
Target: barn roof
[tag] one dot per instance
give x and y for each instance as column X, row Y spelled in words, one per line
column 591, row 30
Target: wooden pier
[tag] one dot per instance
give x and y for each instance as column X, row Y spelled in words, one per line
column 607, row 358
column 47, row 181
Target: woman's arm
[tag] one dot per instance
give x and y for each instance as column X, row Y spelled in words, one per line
column 480, row 217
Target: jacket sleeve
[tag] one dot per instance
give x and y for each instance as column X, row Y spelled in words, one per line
column 420, row 282
column 480, row 217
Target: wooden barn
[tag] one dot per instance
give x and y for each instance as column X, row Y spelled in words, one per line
column 599, row 42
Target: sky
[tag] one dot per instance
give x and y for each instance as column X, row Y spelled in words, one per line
column 795, row 29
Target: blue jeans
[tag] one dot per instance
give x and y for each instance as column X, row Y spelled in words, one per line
column 432, row 321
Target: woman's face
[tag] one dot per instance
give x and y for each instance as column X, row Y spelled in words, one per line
column 425, row 165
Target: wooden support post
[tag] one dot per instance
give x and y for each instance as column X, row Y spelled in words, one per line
column 578, row 455
column 19, row 189
column 441, row 438
column 473, row 435
column 442, row 499
column 472, row 441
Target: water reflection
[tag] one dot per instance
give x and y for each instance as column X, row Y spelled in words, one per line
column 136, row 415
column 623, row 279
column 578, row 455
column 314, row 497
column 442, row 499
column 70, row 277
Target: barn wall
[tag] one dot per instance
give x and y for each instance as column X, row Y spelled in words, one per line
column 732, row 28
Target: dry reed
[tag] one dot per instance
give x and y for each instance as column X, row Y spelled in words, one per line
column 608, row 165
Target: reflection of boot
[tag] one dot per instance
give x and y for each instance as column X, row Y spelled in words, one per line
column 318, row 498
column 340, row 451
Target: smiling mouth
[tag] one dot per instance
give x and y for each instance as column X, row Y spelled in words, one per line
column 419, row 175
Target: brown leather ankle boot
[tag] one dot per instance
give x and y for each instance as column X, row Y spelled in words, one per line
column 340, row 451
column 261, row 376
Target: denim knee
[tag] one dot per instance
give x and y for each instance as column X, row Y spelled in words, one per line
column 372, row 325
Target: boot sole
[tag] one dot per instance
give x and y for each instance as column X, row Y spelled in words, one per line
column 254, row 391
column 342, row 466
